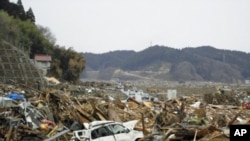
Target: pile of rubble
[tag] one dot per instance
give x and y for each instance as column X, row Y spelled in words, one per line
column 51, row 114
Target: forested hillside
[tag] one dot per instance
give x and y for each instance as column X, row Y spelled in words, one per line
column 110, row 59
column 18, row 28
column 204, row 63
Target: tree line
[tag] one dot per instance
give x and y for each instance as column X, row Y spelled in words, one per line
column 17, row 10
column 19, row 28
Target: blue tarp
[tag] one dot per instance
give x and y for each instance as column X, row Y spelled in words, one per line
column 16, row 96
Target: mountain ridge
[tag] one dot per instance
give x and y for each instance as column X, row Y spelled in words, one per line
column 204, row 63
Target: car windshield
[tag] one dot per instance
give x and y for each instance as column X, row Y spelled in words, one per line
column 117, row 128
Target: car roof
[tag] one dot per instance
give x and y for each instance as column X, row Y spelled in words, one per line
column 98, row 123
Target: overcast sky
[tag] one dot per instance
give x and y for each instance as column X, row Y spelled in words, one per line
column 100, row 26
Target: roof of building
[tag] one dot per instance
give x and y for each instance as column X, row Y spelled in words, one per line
column 42, row 57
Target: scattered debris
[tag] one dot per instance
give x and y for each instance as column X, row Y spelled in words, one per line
column 52, row 113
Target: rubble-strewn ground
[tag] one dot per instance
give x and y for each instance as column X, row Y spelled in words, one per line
column 201, row 112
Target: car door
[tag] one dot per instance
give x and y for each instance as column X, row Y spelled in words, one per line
column 120, row 132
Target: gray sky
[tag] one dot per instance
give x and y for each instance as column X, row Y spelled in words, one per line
column 100, row 26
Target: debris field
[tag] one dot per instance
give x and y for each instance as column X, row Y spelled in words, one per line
column 27, row 113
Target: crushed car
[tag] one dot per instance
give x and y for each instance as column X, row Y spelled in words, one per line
column 108, row 130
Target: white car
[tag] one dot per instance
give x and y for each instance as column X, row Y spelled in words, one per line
column 108, row 131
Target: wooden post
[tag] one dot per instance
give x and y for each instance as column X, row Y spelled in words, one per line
column 143, row 125
column 8, row 134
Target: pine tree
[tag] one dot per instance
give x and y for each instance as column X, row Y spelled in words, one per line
column 20, row 4
column 30, row 15
column 21, row 12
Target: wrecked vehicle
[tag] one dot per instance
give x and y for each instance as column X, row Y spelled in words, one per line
column 108, row 130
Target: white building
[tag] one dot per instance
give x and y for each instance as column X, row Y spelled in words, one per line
column 42, row 61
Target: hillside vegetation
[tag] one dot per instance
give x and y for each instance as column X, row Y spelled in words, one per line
column 18, row 28
column 203, row 63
